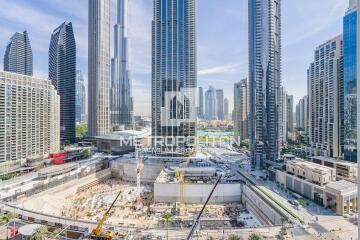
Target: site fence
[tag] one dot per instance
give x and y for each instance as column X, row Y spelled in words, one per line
column 43, row 186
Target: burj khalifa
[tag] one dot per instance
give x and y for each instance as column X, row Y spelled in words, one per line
column 121, row 96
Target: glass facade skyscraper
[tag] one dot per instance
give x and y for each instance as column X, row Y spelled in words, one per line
column 120, row 93
column 264, row 80
column 62, row 73
column 174, row 78
column 220, row 104
column 18, row 55
column 210, row 104
column 99, row 68
column 350, row 94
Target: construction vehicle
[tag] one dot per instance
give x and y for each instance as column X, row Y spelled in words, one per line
column 97, row 233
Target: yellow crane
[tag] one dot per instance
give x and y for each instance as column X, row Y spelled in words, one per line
column 97, row 233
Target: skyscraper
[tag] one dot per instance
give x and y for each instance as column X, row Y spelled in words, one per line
column 226, row 108
column 174, row 76
column 325, row 81
column 201, row 103
column 62, row 73
column 121, row 97
column 241, row 110
column 81, row 95
column 220, row 104
column 99, row 67
column 301, row 114
column 18, row 55
column 350, row 93
column 290, row 113
column 282, row 117
column 264, row 79
column 210, row 104
column 29, row 117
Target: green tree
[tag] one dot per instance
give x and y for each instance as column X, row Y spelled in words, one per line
column 255, row 236
column 167, row 217
column 234, row 237
column 5, row 219
column 81, row 130
column 40, row 233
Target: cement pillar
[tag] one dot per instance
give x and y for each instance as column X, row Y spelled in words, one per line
column 353, row 202
column 340, row 207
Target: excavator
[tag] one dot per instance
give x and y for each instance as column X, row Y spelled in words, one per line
column 97, row 233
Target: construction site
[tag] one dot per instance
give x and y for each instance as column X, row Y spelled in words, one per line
column 148, row 188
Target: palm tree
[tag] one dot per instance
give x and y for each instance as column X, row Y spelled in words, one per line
column 255, row 236
column 40, row 233
column 167, row 217
column 234, row 237
column 5, row 219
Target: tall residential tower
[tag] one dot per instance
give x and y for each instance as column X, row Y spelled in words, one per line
column 62, row 73
column 121, row 97
column 264, row 79
column 174, row 77
column 350, row 93
column 220, row 104
column 18, row 55
column 241, row 111
column 325, row 83
column 99, row 68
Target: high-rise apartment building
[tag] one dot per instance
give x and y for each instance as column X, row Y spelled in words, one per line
column 350, row 85
column 226, row 108
column 240, row 113
column 220, row 104
column 81, row 96
column 200, row 112
column 302, row 114
column 264, row 79
column 62, row 73
column 29, row 117
column 121, row 97
column 18, row 55
column 325, row 80
column 282, row 117
column 174, row 74
column 99, row 68
column 290, row 113
column 210, row 104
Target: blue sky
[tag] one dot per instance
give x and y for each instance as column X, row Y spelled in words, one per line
column 221, row 32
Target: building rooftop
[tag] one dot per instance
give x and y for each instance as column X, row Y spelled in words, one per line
column 333, row 160
column 310, row 165
column 126, row 134
column 342, row 185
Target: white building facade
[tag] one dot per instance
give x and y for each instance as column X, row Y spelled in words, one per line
column 29, row 117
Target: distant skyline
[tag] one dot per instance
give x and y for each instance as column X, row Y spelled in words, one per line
column 222, row 40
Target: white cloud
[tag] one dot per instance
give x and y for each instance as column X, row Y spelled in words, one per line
column 223, row 69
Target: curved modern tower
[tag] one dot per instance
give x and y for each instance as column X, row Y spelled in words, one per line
column 99, row 68
column 174, row 79
column 264, row 79
column 18, row 55
column 62, row 73
column 121, row 97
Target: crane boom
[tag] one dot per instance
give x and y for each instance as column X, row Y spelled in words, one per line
column 196, row 222
column 98, row 230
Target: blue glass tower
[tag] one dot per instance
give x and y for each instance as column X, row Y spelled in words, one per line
column 264, row 80
column 173, row 68
column 350, row 95
column 62, row 73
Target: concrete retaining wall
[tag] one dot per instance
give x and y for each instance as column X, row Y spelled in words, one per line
column 127, row 171
column 197, row 193
column 259, row 207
